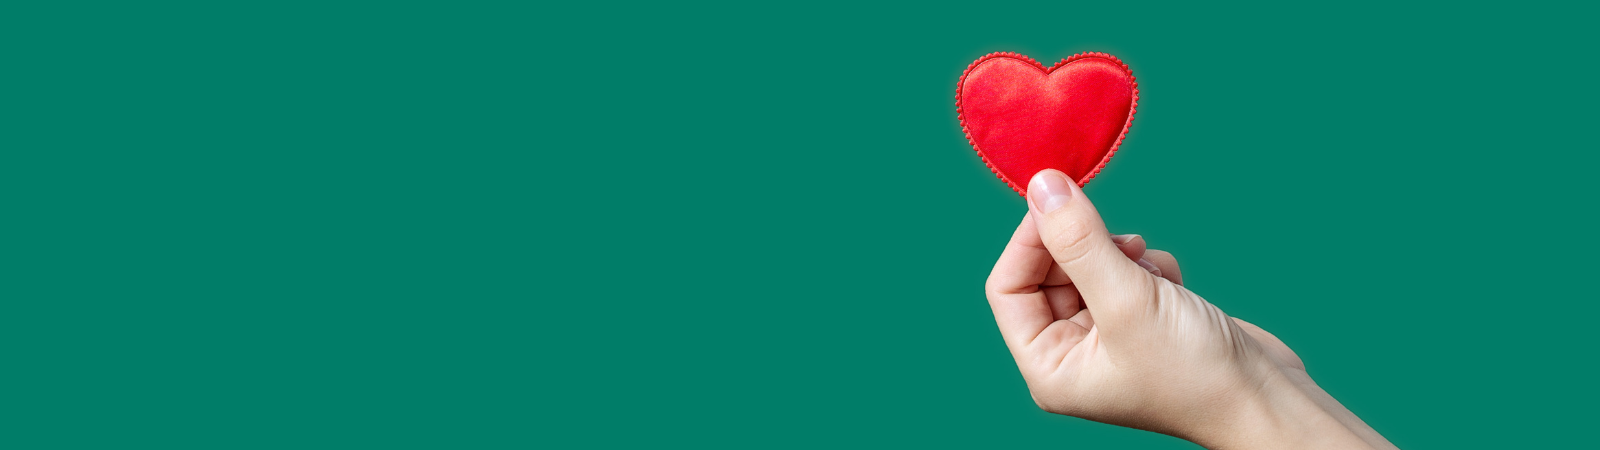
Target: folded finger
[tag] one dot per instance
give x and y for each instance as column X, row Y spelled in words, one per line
column 1020, row 307
column 1166, row 263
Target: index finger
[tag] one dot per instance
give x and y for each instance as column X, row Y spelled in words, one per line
column 1020, row 308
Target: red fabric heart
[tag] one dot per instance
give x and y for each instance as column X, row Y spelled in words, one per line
column 1022, row 117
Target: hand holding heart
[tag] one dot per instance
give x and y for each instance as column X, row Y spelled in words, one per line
column 1105, row 331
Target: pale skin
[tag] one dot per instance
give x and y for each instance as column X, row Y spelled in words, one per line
column 1103, row 329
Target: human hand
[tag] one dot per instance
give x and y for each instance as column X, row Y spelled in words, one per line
column 1102, row 329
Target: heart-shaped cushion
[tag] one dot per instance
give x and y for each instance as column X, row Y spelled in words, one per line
column 1022, row 117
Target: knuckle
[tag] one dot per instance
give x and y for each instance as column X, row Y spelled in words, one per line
column 992, row 285
column 1161, row 257
column 1000, row 284
column 1154, row 254
column 1069, row 239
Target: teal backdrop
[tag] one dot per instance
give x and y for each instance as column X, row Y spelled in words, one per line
column 535, row 225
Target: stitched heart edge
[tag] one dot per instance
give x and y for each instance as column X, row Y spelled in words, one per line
column 1022, row 189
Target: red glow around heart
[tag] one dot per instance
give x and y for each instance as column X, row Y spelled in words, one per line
column 1022, row 117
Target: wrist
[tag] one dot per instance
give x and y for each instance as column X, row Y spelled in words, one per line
column 1277, row 412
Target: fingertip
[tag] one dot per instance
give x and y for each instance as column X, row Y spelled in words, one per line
column 1132, row 245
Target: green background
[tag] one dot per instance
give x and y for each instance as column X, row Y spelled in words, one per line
column 463, row 225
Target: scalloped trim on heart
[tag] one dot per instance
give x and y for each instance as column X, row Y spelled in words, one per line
column 962, row 115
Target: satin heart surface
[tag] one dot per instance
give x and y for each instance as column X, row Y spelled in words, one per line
column 1023, row 117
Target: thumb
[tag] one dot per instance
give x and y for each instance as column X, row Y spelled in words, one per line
column 1076, row 237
